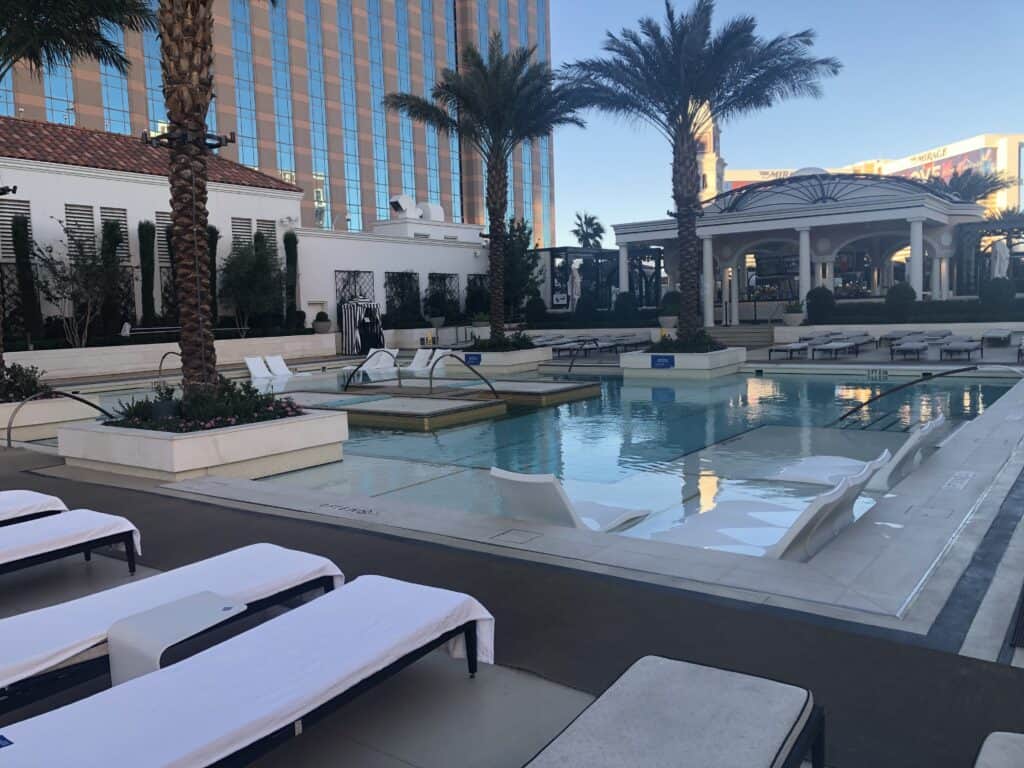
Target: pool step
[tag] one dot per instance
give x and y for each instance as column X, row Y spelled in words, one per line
column 885, row 422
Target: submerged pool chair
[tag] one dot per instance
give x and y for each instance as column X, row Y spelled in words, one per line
column 829, row 470
column 257, row 368
column 378, row 366
column 279, row 368
column 542, row 498
column 22, row 506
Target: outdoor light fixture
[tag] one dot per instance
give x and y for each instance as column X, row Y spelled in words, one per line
column 9, row 190
column 179, row 138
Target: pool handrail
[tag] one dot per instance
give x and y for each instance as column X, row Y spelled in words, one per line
column 160, row 368
column 477, row 373
column 880, row 395
column 368, row 358
column 50, row 393
column 579, row 348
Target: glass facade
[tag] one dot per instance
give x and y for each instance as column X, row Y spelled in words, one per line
column 545, row 189
column 60, row 94
column 349, row 118
column 284, row 138
column 483, row 24
column 454, row 149
column 317, row 117
column 503, row 24
column 114, row 87
column 527, row 148
column 429, row 78
column 245, row 87
column 405, row 140
column 378, row 116
column 156, row 108
column 542, row 29
column 6, row 96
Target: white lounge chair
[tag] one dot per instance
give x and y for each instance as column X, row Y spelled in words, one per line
column 420, row 361
column 663, row 712
column 22, row 506
column 259, row 575
column 829, row 470
column 542, row 498
column 279, row 368
column 257, row 368
column 1001, row 750
column 379, row 364
column 77, row 531
column 259, row 684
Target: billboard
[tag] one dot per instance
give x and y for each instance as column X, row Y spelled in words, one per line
column 937, row 163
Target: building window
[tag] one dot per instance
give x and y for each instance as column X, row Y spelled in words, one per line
column 378, row 117
column 317, row 116
column 268, row 228
column 503, row 24
column 542, row 29
column 114, row 85
column 545, row 190
column 155, row 104
column 454, row 149
column 446, row 284
column 120, row 215
column 8, row 210
column 524, row 23
column 528, row 182
column 284, row 139
column 241, row 232
column 352, row 284
column 80, row 229
column 350, row 118
column 402, row 294
column 6, row 96
column 429, row 78
column 483, row 22
column 60, row 94
column 405, row 140
column 245, row 89
column 163, row 223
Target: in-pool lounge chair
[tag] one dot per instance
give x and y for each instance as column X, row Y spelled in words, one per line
column 60, row 645
column 663, row 712
column 243, row 696
column 1001, row 750
column 829, row 470
column 542, row 498
column 257, row 368
column 279, row 368
column 380, row 364
column 22, row 506
column 75, row 532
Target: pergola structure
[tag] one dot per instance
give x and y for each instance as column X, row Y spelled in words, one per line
column 816, row 216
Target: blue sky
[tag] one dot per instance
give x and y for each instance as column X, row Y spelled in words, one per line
column 917, row 73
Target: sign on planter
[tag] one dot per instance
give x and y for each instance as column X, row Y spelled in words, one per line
column 663, row 361
column 473, row 358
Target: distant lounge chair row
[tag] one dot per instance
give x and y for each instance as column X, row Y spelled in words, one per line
column 586, row 344
column 833, row 343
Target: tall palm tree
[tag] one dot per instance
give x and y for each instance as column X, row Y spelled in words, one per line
column 678, row 76
column 494, row 106
column 971, row 185
column 589, row 231
column 41, row 33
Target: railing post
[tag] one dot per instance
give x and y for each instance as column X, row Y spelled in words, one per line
column 58, row 393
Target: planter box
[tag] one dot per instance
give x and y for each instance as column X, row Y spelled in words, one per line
column 500, row 363
column 247, row 452
column 40, row 419
column 695, row 365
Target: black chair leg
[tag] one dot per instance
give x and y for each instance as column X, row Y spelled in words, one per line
column 818, row 748
column 471, row 661
column 129, row 551
column 88, row 555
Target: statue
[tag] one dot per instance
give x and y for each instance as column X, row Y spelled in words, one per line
column 1000, row 260
column 575, row 287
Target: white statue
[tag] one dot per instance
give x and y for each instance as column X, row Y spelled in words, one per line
column 575, row 287
column 1000, row 259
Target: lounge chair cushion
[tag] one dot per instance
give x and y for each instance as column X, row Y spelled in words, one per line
column 217, row 702
column 257, row 368
column 47, row 534
column 15, row 504
column 1001, row 750
column 667, row 714
column 33, row 642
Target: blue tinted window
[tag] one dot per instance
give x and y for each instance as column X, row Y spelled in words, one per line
column 245, row 89
column 114, row 86
column 317, row 117
column 545, row 188
column 405, row 140
column 429, row 78
column 503, row 22
column 60, row 94
column 349, row 116
column 284, row 138
column 156, row 108
column 454, row 150
column 528, row 183
column 542, row 29
column 483, row 23
column 6, row 96
column 524, row 23
column 378, row 121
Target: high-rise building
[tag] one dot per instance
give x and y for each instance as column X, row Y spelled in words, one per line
column 300, row 83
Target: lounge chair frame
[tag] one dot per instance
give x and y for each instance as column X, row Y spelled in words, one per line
column 82, row 548
column 32, row 516
column 47, row 684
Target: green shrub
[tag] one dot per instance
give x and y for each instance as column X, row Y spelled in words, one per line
column 321, row 317
column 291, row 276
column 147, row 267
column 699, row 342
column 670, row 303
column 794, row 308
column 251, row 280
column 536, row 310
column 21, row 238
column 20, row 382
column 507, row 343
column 478, row 300
column 626, row 311
column 586, row 308
column 899, row 302
column 821, row 305
column 997, row 294
column 212, row 238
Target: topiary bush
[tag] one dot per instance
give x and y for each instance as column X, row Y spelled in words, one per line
column 670, row 303
column 821, row 305
column 536, row 310
column 586, row 308
column 626, row 311
column 899, row 302
column 997, row 294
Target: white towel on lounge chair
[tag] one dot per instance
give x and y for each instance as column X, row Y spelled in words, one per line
column 33, row 642
column 257, row 368
column 15, row 504
column 217, row 702
column 47, row 534
column 542, row 498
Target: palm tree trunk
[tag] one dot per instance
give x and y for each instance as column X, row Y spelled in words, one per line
column 686, row 195
column 186, row 40
column 497, row 211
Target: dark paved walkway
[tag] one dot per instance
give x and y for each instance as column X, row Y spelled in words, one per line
column 888, row 703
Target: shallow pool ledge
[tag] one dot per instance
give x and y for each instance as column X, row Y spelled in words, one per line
column 694, row 365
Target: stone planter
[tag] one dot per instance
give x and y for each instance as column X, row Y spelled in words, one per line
column 693, row 365
column 668, row 322
column 493, row 364
column 40, row 419
column 321, row 326
column 793, row 318
column 247, row 452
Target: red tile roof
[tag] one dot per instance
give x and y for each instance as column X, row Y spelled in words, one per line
column 68, row 145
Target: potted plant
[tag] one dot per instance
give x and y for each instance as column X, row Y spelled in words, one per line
column 481, row 320
column 434, row 307
column 322, row 323
column 668, row 312
column 793, row 313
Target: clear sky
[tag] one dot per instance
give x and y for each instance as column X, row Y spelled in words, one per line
column 917, row 74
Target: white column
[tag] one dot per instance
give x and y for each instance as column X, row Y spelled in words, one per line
column 707, row 274
column 805, row 263
column 936, row 284
column 916, row 265
column 943, row 266
column 830, row 275
column 875, row 279
column 734, row 296
column 623, row 269
column 726, row 294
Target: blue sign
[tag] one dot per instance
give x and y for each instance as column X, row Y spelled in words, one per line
column 663, row 361
column 473, row 358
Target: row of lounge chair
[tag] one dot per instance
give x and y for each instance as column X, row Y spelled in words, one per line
column 619, row 342
column 949, row 345
column 832, row 343
column 900, row 342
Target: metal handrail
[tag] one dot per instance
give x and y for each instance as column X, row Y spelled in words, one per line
column 160, row 368
column 887, row 392
column 471, row 368
column 368, row 359
column 48, row 393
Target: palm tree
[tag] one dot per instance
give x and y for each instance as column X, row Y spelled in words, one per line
column 41, row 33
column 680, row 75
column 971, row 185
column 588, row 230
column 494, row 106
